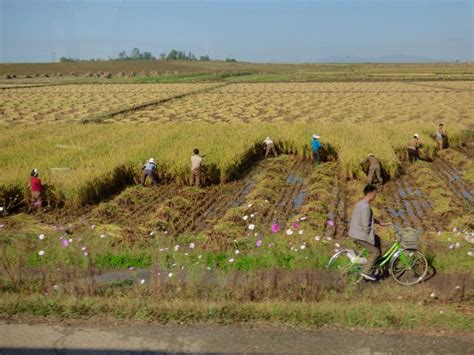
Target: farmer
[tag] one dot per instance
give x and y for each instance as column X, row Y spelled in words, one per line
column 374, row 167
column 362, row 230
column 196, row 162
column 315, row 145
column 441, row 137
column 413, row 148
column 149, row 169
column 270, row 147
column 36, row 188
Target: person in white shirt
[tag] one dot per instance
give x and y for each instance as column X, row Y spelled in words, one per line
column 196, row 162
column 270, row 147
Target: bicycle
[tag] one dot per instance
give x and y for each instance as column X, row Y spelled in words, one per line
column 405, row 263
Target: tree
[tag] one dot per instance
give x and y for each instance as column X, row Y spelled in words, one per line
column 147, row 56
column 204, row 58
column 172, row 55
column 135, row 53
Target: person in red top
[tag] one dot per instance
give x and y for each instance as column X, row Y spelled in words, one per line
column 36, row 188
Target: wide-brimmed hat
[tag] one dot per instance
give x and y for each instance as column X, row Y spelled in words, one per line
column 151, row 160
column 267, row 139
column 416, row 135
column 315, row 136
column 371, row 155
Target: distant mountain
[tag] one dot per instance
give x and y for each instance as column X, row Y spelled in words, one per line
column 392, row 58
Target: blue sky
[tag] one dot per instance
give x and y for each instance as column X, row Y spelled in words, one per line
column 259, row 31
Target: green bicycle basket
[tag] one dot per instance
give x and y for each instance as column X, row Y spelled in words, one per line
column 408, row 237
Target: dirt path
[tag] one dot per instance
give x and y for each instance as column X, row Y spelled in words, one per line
column 208, row 338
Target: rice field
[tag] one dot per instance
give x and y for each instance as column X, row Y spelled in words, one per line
column 70, row 103
column 227, row 122
column 374, row 102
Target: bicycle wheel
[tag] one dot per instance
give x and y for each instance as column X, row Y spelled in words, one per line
column 409, row 267
column 342, row 264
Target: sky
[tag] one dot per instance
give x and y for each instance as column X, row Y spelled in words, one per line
column 257, row 31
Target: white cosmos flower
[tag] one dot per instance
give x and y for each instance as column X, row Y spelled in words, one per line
column 289, row 232
column 41, row 237
column 251, row 227
column 41, row 253
column 245, row 217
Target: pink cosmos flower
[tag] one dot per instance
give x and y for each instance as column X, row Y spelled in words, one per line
column 296, row 225
column 275, row 228
column 258, row 243
column 330, row 222
column 64, row 242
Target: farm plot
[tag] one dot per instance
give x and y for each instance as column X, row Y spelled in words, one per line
column 319, row 102
column 430, row 196
column 75, row 102
column 275, row 189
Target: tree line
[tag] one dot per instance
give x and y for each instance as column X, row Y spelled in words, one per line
column 136, row 54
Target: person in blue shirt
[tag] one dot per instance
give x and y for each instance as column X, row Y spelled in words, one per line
column 315, row 145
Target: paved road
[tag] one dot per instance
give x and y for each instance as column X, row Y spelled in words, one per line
column 205, row 339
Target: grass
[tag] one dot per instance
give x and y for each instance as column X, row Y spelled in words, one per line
column 359, row 314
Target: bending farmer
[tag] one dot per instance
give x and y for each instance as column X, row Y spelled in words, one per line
column 149, row 169
column 374, row 167
column 270, row 147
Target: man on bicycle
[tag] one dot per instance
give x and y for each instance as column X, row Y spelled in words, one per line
column 362, row 230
